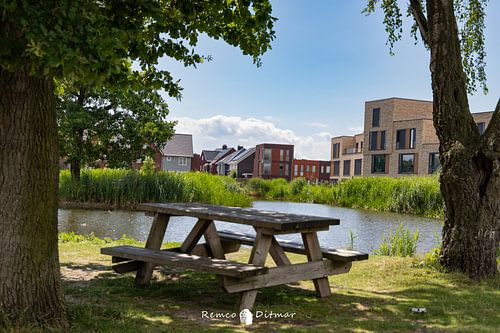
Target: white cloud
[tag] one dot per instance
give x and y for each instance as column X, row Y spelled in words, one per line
column 210, row 133
column 318, row 125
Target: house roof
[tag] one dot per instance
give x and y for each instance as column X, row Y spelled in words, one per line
column 179, row 145
column 209, row 155
column 228, row 158
column 240, row 157
column 221, row 154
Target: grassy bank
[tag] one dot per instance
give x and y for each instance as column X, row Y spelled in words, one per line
column 125, row 188
column 376, row 296
column 407, row 195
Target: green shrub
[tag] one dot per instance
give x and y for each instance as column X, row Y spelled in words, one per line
column 399, row 243
column 297, row 185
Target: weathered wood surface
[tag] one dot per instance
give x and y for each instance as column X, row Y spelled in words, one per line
column 293, row 247
column 287, row 274
column 313, row 253
column 257, row 257
column 201, row 250
column 182, row 260
column 154, row 241
column 257, row 218
column 195, row 235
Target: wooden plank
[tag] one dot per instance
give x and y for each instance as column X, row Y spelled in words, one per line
column 199, row 250
column 293, row 247
column 258, row 258
column 258, row 218
column 214, row 242
column 154, row 241
column 195, row 235
column 277, row 253
column 287, row 274
column 182, row 260
column 313, row 252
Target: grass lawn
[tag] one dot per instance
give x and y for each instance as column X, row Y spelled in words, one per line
column 377, row 295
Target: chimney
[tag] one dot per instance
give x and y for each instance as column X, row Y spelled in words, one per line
column 240, row 147
column 224, row 146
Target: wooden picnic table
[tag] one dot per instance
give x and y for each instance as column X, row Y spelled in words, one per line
column 243, row 278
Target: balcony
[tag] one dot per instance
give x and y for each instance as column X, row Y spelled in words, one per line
column 353, row 150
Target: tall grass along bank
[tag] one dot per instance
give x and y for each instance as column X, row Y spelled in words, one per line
column 419, row 195
column 122, row 188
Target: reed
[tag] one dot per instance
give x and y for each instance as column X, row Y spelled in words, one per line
column 121, row 187
column 399, row 243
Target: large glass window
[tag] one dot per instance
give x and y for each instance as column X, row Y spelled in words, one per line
column 266, row 168
column 378, row 163
column 382, row 140
column 406, row 163
column 267, row 154
column 295, row 170
column 413, row 137
column 336, row 168
column 307, row 168
column 434, row 163
column 302, row 170
column 373, row 140
column 480, row 127
column 357, row 167
column 313, row 168
column 400, row 138
column 282, row 154
column 376, row 117
column 336, row 149
column 347, row 168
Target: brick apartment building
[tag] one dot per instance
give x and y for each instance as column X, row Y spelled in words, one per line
column 313, row 170
column 399, row 138
column 273, row 161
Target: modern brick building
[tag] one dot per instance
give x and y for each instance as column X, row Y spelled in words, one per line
column 313, row 170
column 399, row 138
column 273, row 161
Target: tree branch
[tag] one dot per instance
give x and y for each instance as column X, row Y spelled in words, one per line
column 418, row 14
column 491, row 135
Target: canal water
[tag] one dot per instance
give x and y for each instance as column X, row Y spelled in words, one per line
column 367, row 227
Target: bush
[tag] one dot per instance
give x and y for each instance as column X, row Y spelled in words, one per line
column 400, row 243
column 298, row 185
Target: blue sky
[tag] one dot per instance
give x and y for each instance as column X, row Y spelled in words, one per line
column 326, row 61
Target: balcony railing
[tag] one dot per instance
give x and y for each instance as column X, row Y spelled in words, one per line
column 353, row 150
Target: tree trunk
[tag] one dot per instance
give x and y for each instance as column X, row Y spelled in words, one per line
column 470, row 176
column 30, row 288
column 76, row 160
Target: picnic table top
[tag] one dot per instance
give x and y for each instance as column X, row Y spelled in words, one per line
column 254, row 217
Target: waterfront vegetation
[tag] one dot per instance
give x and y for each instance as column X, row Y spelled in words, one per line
column 417, row 195
column 376, row 295
column 126, row 188
column 399, row 243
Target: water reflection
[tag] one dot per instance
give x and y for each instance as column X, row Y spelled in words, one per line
column 368, row 227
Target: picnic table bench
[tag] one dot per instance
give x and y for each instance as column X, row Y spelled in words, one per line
column 236, row 277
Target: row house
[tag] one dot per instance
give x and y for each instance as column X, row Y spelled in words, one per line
column 176, row 154
column 399, row 138
column 273, row 161
column 242, row 164
column 314, row 171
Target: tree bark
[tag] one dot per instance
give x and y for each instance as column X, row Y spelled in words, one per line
column 470, row 176
column 76, row 160
column 30, row 288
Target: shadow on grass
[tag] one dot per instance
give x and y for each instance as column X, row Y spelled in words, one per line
column 174, row 302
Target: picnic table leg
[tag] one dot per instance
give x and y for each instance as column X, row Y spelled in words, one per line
column 194, row 236
column 257, row 257
column 155, row 239
column 313, row 252
column 277, row 253
column 213, row 240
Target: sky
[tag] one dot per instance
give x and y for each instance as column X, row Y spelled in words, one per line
column 327, row 60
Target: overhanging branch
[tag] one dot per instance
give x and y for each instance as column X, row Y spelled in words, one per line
column 418, row 14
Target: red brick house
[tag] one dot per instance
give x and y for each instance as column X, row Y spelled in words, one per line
column 313, row 170
column 273, row 161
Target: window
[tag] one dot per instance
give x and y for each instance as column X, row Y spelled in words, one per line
column 480, row 127
column 361, row 146
column 406, row 163
column 322, row 169
column 280, row 170
column 379, row 163
column 328, row 169
column 302, row 170
column 434, row 163
column 336, row 167
column 282, row 154
column 287, row 155
column 182, row 160
column 266, row 168
column 295, row 170
column 347, row 168
column 267, row 155
column 357, row 167
column 400, row 138
column 313, row 168
column 169, row 158
column 413, row 136
column 382, row 140
column 373, row 140
column 307, row 168
column 336, row 150
column 287, row 169
column 376, row 117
